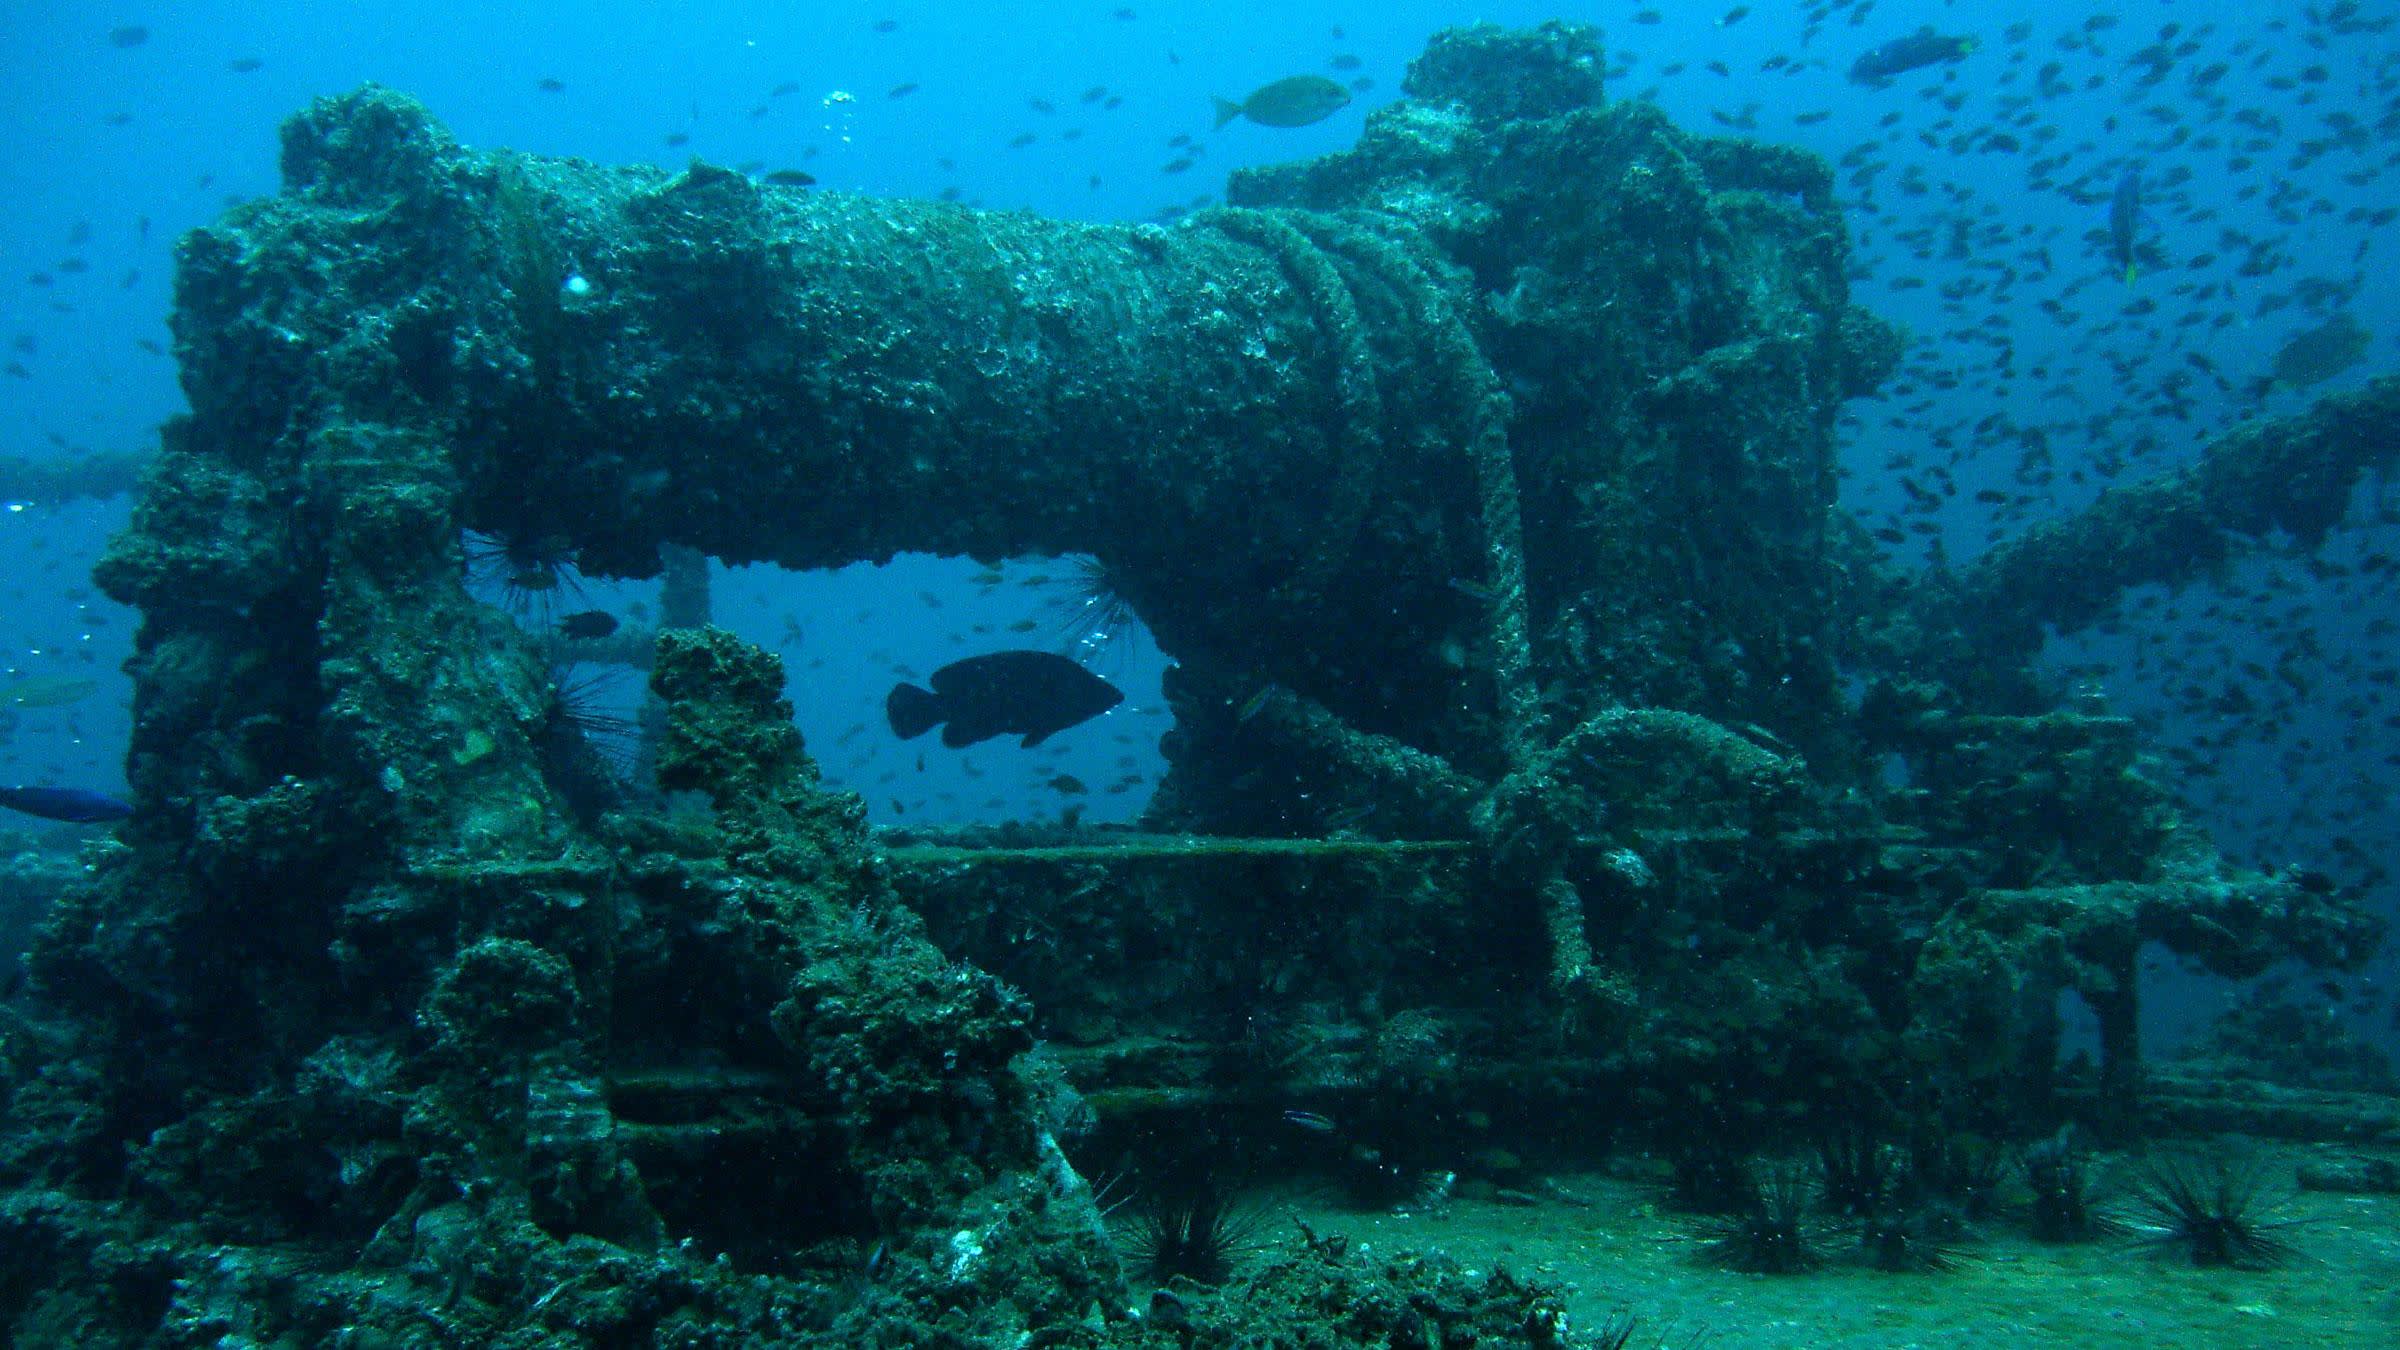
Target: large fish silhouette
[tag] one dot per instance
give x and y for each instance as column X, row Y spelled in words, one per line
column 1031, row 694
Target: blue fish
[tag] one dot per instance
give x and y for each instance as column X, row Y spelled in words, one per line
column 73, row 805
column 2125, row 223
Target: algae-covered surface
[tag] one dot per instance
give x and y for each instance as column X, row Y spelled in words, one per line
column 1622, row 1253
column 1554, row 769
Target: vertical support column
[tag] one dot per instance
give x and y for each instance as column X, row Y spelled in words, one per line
column 2035, row 1082
column 2119, row 1013
column 683, row 600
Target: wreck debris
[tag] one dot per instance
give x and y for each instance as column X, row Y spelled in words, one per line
column 1480, row 479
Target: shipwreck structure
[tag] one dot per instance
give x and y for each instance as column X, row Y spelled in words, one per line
column 1552, row 757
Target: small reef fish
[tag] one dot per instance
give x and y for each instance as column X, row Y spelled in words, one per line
column 1902, row 55
column 1031, row 694
column 46, row 691
column 588, row 624
column 1293, row 102
column 2124, row 220
column 72, row 805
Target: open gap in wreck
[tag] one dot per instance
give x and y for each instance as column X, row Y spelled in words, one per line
column 848, row 637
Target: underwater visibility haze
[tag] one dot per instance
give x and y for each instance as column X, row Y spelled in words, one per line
column 1607, row 674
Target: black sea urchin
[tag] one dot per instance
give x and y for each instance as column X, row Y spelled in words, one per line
column 1773, row 1233
column 2213, row 1211
column 1195, row 1231
column 591, row 705
column 530, row 575
column 1096, row 621
column 1912, row 1242
column 590, row 744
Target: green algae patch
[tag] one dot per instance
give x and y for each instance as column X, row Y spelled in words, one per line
column 476, row 744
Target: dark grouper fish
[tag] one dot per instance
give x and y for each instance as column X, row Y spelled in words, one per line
column 1899, row 56
column 73, row 805
column 1030, row 694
